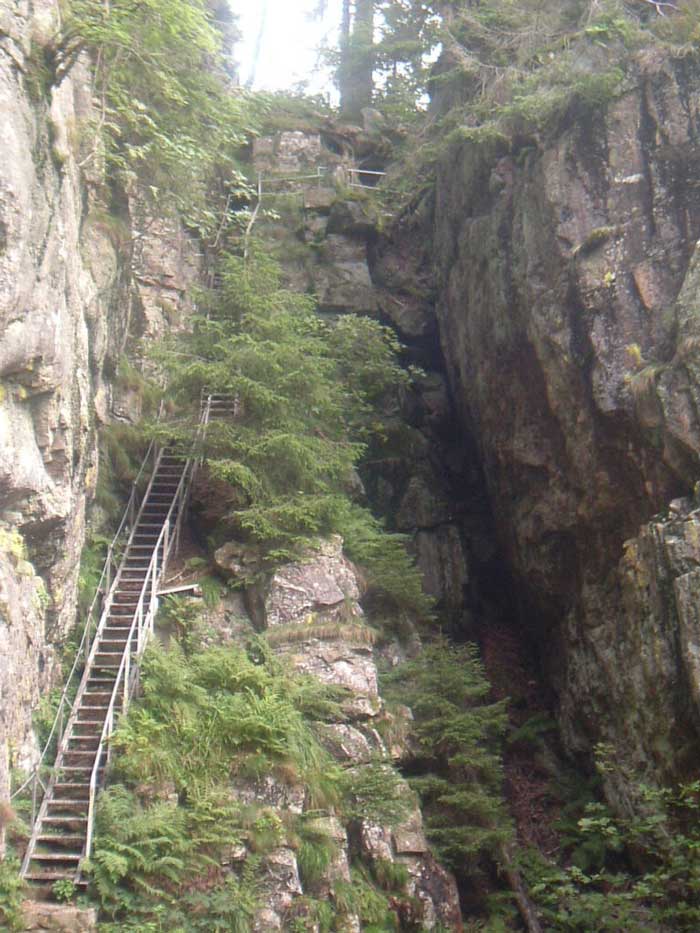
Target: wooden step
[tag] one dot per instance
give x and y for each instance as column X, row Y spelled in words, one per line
column 85, row 741
column 61, row 839
column 54, row 857
column 72, row 771
column 76, row 757
column 73, row 793
column 67, row 803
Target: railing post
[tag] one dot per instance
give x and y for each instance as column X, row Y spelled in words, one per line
column 125, row 700
column 154, row 586
column 60, row 723
column 36, row 777
column 109, row 735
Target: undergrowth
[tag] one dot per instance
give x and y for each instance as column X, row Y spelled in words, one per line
column 165, row 826
column 635, row 873
column 456, row 751
column 12, row 891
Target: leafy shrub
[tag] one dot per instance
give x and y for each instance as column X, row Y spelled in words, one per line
column 661, row 892
column 63, row 890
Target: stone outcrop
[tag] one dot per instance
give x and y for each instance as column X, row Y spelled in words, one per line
column 310, row 612
column 58, row 918
column 567, row 297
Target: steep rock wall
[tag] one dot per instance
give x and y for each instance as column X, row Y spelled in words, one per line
column 73, row 297
column 568, row 298
column 56, row 286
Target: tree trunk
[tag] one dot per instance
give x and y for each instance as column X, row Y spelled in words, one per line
column 357, row 59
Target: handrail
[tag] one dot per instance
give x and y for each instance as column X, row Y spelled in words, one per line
column 322, row 173
column 84, row 645
column 142, row 626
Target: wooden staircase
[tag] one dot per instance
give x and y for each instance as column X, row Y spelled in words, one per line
column 63, row 826
column 62, row 830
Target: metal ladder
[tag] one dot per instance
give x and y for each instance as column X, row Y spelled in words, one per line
column 63, row 828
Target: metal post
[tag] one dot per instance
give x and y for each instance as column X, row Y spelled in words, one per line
column 154, row 584
column 109, row 735
column 36, row 776
column 125, row 701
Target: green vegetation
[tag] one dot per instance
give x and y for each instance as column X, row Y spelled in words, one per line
column 456, row 750
column 604, row 891
column 11, row 895
column 162, row 863
column 206, row 718
column 63, row 890
column 169, row 119
column 216, row 711
column 308, row 395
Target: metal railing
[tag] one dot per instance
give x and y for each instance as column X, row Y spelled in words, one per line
column 127, row 677
column 323, row 176
column 356, row 178
column 59, row 726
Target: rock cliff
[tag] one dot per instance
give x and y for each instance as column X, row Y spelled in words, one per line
column 73, row 296
column 566, row 298
column 55, row 286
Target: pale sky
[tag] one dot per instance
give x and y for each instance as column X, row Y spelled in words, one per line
column 291, row 40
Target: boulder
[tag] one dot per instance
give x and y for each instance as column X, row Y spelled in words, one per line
column 325, row 581
column 58, row 918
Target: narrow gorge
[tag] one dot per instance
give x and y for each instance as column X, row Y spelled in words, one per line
column 405, row 376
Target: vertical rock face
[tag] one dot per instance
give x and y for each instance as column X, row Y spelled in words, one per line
column 56, row 286
column 568, row 314
column 70, row 296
